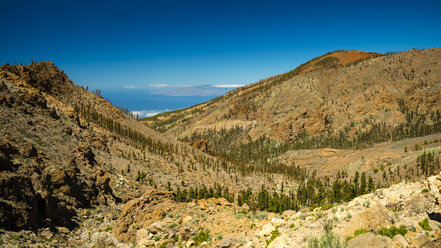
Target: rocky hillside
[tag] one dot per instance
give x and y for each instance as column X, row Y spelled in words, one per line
column 407, row 214
column 65, row 152
column 295, row 160
column 342, row 100
column 337, row 91
column 404, row 215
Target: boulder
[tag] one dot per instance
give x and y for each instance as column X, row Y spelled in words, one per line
column 434, row 184
column 432, row 244
column 266, row 230
column 417, row 239
column 105, row 239
column 283, row 241
column 400, row 241
column 142, row 212
column 202, row 203
column 230, row 240
column 186, row 219
column 369, row 240
column 277, row 221
column 157, row 227
column 370, row 219
column 224, row 202
column 288, row 214
column 189, row 243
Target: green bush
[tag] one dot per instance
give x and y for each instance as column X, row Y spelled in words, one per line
column 327, row 240
column 360, row 231
column 425, row 191
column 357, row 232
column 163, row 245
column 274, row 235
column 261, row 216
column 326, row 206
column 425, row 224
column 392, row 231
column 201, row 237
column 140, row 176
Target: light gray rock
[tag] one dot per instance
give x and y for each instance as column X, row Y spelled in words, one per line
column 369, row 240
column 399, row 239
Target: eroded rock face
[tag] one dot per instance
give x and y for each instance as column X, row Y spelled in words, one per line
column 141, row 212
column 18, row 203
column 6, row 149
column 434, row 184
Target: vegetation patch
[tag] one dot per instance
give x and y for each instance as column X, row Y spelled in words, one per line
column 392, row 231
column 201, row 237
column 274, row 235
column 327, row 240
column 425, row 224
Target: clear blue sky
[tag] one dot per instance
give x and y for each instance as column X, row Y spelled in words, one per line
column 107, row 44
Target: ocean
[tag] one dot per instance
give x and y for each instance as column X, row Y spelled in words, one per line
column 146, row 103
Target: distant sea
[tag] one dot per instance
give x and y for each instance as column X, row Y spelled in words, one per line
column 146, row 102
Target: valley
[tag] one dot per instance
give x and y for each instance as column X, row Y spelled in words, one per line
column 345, row 147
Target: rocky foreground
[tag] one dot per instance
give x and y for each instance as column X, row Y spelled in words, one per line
column 367, row 221
column 156, row 220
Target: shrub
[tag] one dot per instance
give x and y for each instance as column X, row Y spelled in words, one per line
column 195, row 220
column 327, row 240
column 425, row 224
column 243, row 213
column 173, row 225
column 274, row 235
column 357, row 232
column 201, row 237
column 319, row 214
column 326, row 206
column 261, row 216
column 425, row 191
column 367, row 203
column 392, row 231
column 163, row 245
column 360, row 231
column 140, row 176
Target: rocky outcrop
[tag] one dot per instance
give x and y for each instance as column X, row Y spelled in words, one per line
column 371, row 219
column 6, row 150
column 19, row 204
column 139, row 213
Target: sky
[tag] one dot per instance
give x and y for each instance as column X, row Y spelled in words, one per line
column 176, row 44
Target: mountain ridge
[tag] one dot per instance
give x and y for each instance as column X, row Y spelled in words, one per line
column 242, row 111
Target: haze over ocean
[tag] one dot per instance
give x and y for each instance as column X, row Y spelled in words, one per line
column 147, row 102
